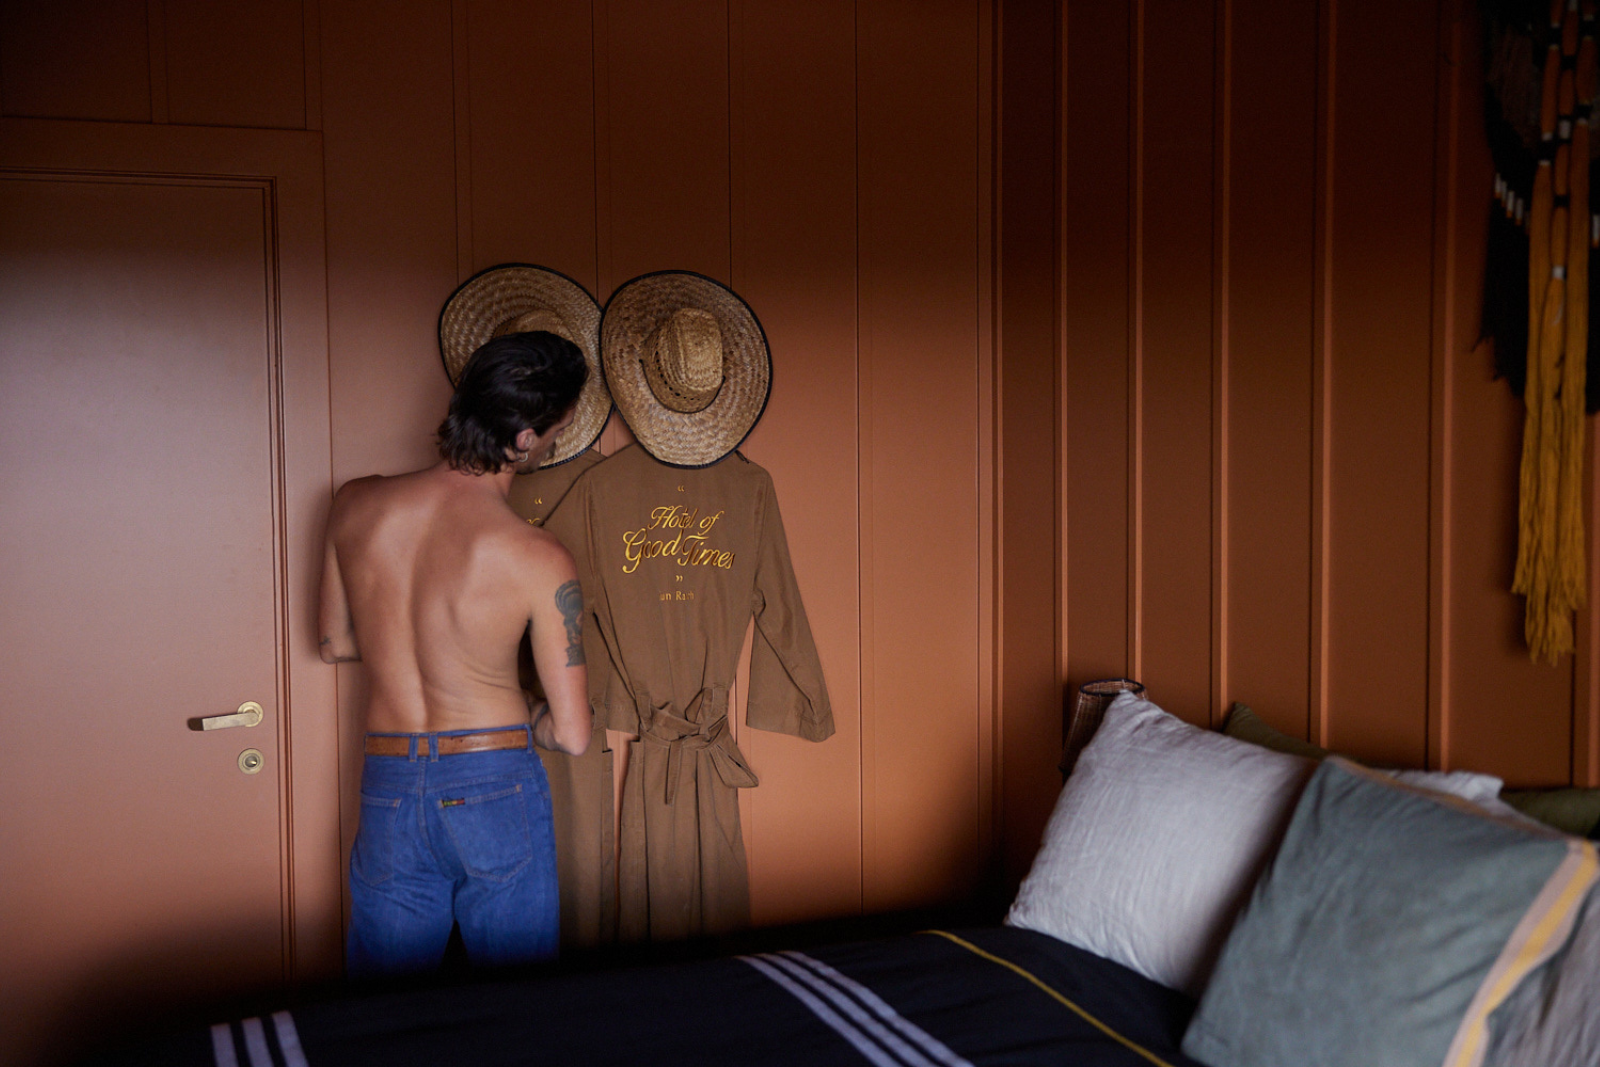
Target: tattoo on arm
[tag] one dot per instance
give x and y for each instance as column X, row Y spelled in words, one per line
column 327, row 640
column 569, row 601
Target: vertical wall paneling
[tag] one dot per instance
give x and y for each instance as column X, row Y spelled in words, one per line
column 616, row 434
column 1266, row 244
column 794, row 246
column 606, row 279
column 1378, row 406
column 1175, row 363
column 461, row 99
column 532, row 162
column 1445, row 340
column 1321, row 349
column 1026, row 433
column 1134, row 310
column 1585, row 768
column 1362, row 494
column 1221, row 338
column 1095, row 206
column 667, row 151
column 986, row 389
column 919, row 292
column 866, row 484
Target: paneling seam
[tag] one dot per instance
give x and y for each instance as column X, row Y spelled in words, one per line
column 1135, row 652
column 1322, row 357
column 1222, row 223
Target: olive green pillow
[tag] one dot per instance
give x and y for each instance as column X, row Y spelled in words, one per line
column 1245, row 725
column 1572, row 811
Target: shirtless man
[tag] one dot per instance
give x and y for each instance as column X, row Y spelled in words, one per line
column 432, row 581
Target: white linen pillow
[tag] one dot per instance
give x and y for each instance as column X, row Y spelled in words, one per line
column 1156, row 841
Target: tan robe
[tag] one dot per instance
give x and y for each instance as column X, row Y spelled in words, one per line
column 580, row 787
column 674, row 564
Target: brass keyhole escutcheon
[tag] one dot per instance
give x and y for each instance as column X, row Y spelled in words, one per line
column 251, row 761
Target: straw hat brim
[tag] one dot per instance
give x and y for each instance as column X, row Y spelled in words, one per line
column 680, row 439
column 501, row 294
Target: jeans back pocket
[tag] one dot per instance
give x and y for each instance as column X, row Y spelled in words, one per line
column 372, row 856
column 489, row 831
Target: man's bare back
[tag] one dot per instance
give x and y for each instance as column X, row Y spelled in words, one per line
column 431, row 580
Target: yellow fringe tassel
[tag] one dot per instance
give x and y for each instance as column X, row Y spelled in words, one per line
column 1551, row 571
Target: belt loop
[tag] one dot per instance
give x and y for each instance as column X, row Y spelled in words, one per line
column 433, row 748
column 529, row 728
column 411, row 748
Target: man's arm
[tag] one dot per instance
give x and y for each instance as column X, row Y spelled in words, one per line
column 562, row 720
column 334, row 622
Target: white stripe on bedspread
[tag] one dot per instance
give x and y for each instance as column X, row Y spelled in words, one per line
column 224, row 1047
column 860, row 1016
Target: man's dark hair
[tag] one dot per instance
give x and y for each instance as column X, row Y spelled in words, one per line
column 513, row 383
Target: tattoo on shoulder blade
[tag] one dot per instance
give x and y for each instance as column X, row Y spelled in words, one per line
column 569, row 601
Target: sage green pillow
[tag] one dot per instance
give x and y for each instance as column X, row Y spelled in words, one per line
column 1572, row 811
column 1390, row 926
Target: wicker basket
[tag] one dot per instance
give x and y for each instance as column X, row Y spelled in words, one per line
column 1093, row 699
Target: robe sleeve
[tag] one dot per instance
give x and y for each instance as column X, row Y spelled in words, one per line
column 787, row 692
column 610, row 694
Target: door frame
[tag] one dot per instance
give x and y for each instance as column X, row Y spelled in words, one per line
column 287, row 166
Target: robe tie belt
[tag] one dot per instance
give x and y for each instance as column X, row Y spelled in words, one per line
column 702, row 727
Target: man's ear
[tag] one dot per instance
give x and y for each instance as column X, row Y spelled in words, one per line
column 525, row 439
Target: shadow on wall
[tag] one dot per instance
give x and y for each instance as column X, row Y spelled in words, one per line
column 190, row 976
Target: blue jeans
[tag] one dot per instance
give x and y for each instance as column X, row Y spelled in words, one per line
column 462, row 839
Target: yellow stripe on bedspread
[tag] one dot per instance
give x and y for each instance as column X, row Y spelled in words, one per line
column 1023, row 972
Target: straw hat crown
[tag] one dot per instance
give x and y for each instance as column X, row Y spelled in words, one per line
column 683, row 360
column 687, row 364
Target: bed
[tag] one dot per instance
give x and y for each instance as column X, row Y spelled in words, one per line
column 993, row 995
column 1197, row 899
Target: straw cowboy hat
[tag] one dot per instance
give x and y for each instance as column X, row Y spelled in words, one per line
column 687, row 364
column 518, row 297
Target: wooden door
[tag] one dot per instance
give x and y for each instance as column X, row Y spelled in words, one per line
column 157, row 528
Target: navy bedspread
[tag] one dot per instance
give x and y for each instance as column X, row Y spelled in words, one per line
column 935, row 999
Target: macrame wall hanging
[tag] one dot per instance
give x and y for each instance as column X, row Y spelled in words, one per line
column 1540, row 284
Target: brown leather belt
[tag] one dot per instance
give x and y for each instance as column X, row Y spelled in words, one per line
column 451, row 745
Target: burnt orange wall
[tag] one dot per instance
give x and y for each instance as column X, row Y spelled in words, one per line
column 1290, row 478
column 836, row 163
column 1112, row 337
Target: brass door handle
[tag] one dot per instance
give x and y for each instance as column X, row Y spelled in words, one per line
column 249, row 714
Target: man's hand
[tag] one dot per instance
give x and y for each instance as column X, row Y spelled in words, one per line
column 544, row 727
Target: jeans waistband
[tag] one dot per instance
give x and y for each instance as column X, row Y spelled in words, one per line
column 438, row 743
